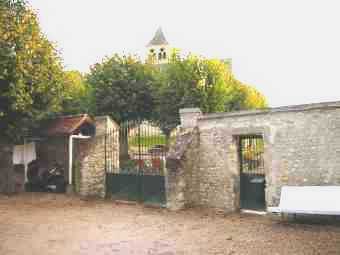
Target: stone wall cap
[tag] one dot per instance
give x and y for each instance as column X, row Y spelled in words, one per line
column 190, row 110
column 102, row 117
column 106, row 118
column 291, row 108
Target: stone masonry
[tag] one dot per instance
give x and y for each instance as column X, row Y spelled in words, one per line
column 180, row 178
column 301, row 147
column 92, row 160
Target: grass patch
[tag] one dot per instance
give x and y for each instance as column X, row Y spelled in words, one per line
column 147, row 141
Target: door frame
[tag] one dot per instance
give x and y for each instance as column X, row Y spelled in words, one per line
column 252, row 188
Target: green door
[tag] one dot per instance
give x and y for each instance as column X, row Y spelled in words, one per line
column 252, row 173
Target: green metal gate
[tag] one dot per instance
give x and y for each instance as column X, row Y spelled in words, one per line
column 136, row 173
column 252, row 172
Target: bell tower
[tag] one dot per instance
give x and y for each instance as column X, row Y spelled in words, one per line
column 158, row 49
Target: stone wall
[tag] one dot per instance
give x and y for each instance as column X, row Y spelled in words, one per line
column 301, row 147
column 180, row 171
column 91, row 160
column 189, row 117
column 112, row 147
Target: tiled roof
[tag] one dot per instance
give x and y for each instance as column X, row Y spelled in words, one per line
column 158, row 39
column 66, row 125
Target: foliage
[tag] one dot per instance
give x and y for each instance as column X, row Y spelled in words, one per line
column 31, row 74
column 78, row 96
column 147, row 141
column 123, row 88
column 34, row 86
column 204, row 83
column 126, row 89
column 253, row 98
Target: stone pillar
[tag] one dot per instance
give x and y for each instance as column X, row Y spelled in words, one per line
column 92, row 162
column 189, row 117
column 181, row 161
column 175, row 185
column 180, row 165
column 92, row 156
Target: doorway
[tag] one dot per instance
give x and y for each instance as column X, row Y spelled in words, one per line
column 252, row 172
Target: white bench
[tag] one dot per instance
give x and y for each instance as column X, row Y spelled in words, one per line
column 319, row 200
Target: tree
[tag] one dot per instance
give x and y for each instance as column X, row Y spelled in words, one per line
column 31, row 73
column 78, row 95
column 204, row 83
column 253, row 98
column 123, row 88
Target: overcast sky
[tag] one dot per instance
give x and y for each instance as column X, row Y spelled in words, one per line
column 288, row 49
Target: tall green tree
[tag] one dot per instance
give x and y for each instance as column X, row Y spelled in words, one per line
column 31, row 72
column 123, row 88
column 198, row 82
column 78, row 95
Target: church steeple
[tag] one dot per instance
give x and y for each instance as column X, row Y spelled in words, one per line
column 158, row 39
column 158, row 48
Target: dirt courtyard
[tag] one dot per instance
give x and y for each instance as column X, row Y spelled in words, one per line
column 56, row 224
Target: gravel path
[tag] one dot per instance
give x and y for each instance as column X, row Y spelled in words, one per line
column 56, row 224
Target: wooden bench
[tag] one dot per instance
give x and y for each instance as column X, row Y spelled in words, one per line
column 318, row 200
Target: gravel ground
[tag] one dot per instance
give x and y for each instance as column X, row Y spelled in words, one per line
column 56, row 224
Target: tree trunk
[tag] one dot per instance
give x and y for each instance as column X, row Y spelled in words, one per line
column 123, row 147
column 167, row 139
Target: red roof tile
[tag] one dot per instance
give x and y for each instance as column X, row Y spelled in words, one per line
column 67, row 125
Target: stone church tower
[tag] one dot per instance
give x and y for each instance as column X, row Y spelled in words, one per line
column 158, row 49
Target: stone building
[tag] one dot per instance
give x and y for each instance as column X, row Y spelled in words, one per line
column 55, row 138
column 81, row 145
column 296, row 145
column 226, row 161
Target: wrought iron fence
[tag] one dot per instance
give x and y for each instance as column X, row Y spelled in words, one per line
column 135, row 157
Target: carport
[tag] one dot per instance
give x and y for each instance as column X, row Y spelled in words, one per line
column 56, row 147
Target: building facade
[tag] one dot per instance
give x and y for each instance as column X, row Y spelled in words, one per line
column 295, row 146
column 83, row 147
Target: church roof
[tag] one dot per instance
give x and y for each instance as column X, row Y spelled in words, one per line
column 158, row 39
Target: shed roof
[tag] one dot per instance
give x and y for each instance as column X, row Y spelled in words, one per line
column 67, row 125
